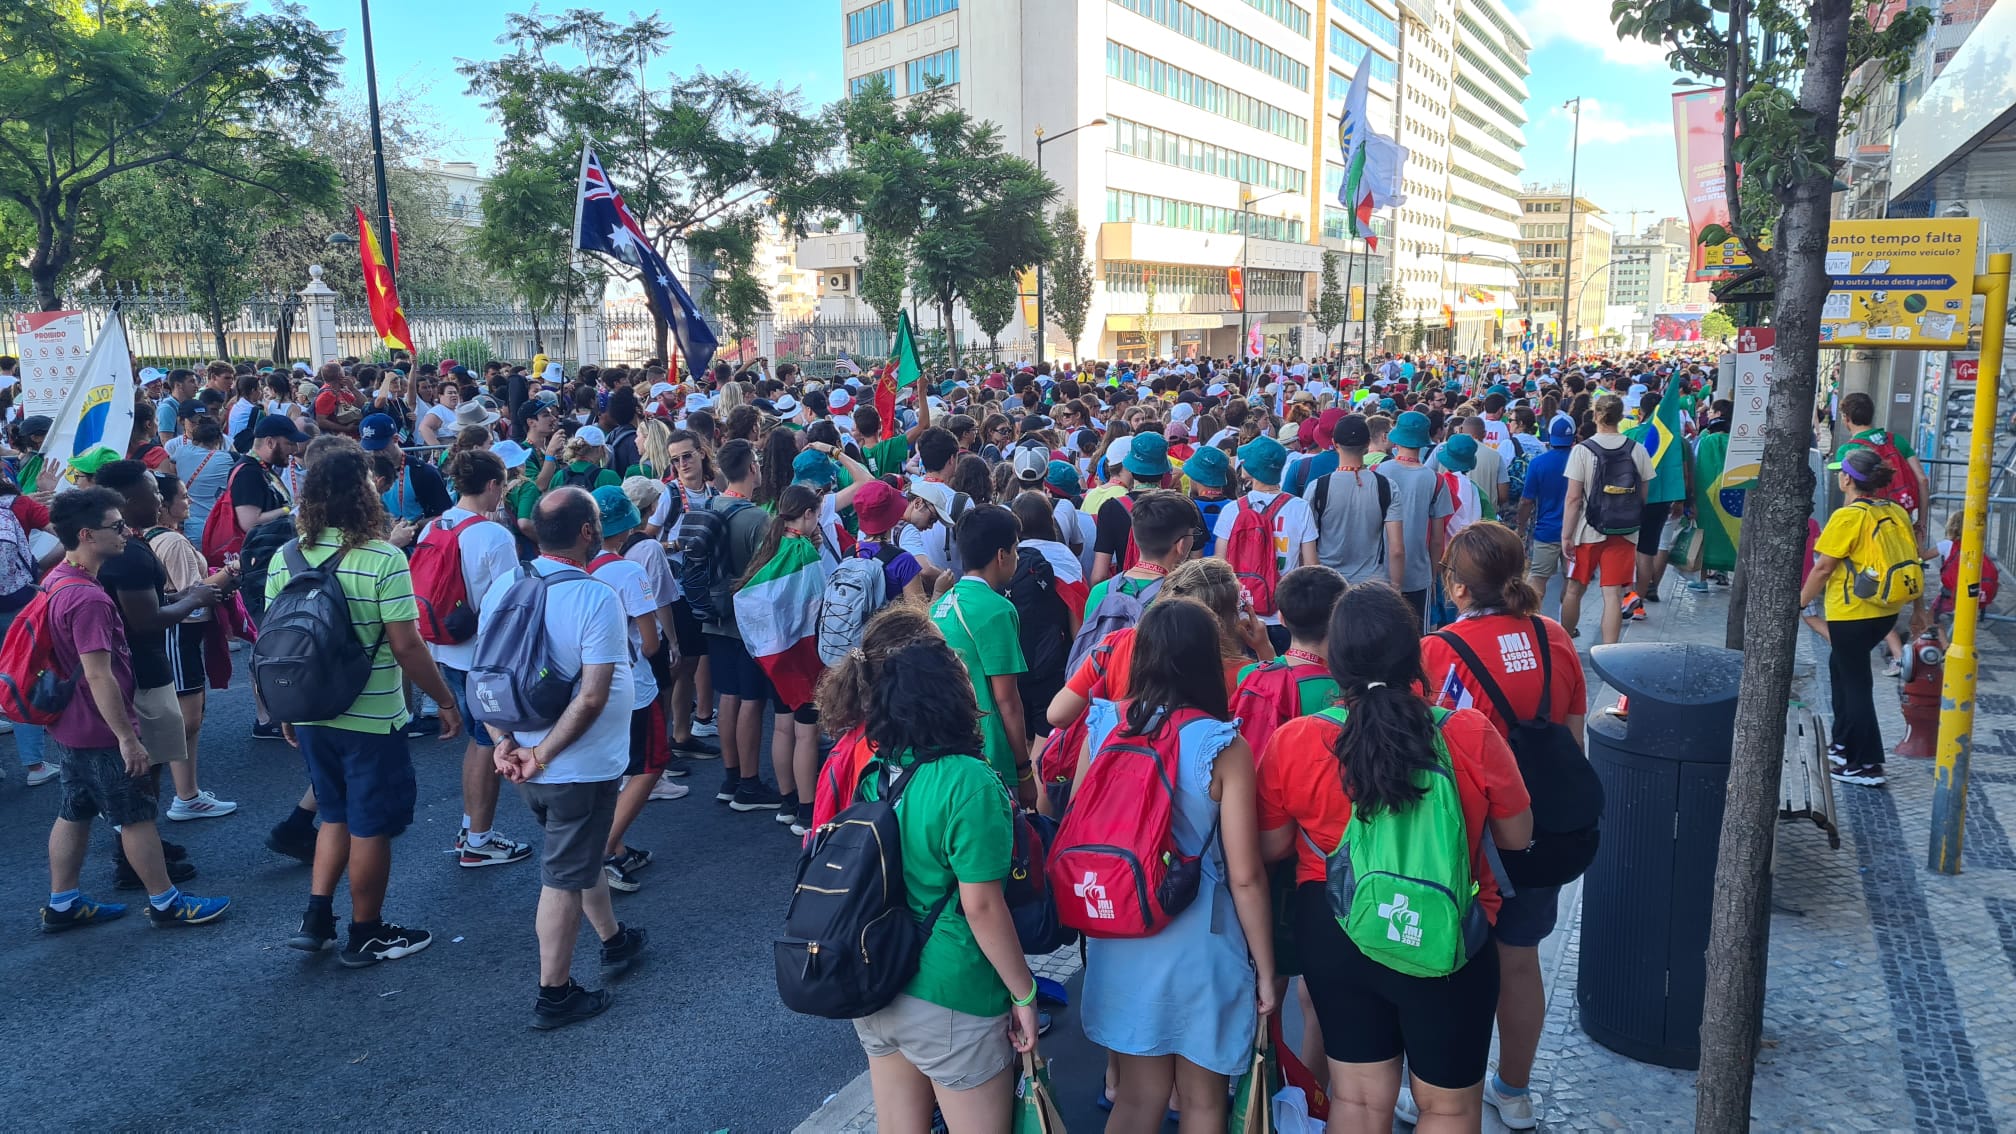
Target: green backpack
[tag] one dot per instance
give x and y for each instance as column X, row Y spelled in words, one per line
column 1399, row 883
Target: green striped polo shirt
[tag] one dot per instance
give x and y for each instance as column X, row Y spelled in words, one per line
column 380, row 590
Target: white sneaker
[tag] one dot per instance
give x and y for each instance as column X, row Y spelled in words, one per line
column 1894, row 669
column 669, row 789
column 39, row 774
column 203, row 806
column 705, row 728
column 1515, row 1111
column 1404, row 1108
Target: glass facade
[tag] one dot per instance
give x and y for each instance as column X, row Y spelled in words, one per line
column 1131, row 66
column 1155, row 145
column 1147, row 208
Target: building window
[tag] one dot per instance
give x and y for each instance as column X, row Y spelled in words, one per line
column 914, row 10
column 1151, row 144
column 867, row 23
column 1145, row 208
column 1340, row 85
column 1373, row 20
column 1221, row 37
column 859, row 83
column 1131, row 66
column 1289, row 15
column 943, row 65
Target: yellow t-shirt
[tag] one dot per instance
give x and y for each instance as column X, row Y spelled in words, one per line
column 1844, row 537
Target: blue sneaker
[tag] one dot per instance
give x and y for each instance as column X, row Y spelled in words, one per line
column 187, row 909
column 83, row 911
column 1697, row 585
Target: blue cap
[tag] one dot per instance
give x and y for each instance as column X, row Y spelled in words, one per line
column 1263, row 458
column 619, row 515
column 1062, row 478
column 1561, row 434
column 375, row 432
column 814, row 468
column 1208, row 467
column 1410, row 431
column 1147, row 455
column 1459, row 453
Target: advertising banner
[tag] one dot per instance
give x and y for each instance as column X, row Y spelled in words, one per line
column 1357, row 303
column 1900, row 283
column 52, row 347
column 1697, row 136
column 1236, row 281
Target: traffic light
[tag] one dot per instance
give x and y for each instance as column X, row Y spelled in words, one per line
column 1526, row 325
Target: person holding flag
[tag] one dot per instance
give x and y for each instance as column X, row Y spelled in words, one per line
column 1666, row 496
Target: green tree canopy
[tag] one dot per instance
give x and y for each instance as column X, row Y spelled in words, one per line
column 1070, row 282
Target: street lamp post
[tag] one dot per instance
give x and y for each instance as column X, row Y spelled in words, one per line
column 1573, row 313
column 1040, row 140
column 1246, row 202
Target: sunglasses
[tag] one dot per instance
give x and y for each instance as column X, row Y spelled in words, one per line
column 119, row 526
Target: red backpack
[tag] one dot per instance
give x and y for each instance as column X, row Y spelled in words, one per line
column 446, row 617
column 1114, row 865
column 1250, row 551
column 1270, row 697
column 32, row 691
column 1903, row 487
column 1132, row 555
column 1949, row 581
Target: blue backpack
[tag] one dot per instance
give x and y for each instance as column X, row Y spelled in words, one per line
column 514, row 685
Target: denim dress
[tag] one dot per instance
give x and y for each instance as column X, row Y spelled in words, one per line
column 1188, row 990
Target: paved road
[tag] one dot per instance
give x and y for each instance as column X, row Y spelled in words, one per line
column 223, row 1026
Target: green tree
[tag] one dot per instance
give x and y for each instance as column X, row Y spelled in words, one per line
column 992, row 302
column 1416, row 335
column 699, row 157
column 1783, row 68
column 883, row 276
column 1385, row 312
column 1070, row 277
column 928, row 172
column 1327, row 307
column 525, row 240
column 1717, row 325
column 89, row 92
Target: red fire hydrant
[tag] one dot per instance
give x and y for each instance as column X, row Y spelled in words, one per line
column 1924, row 674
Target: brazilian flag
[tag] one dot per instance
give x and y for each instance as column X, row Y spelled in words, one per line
column 1717, row 509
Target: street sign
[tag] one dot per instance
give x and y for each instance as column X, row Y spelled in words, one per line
column 1745, row 457
column 1900, row 283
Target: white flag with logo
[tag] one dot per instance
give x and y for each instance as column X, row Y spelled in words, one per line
column 99, row 410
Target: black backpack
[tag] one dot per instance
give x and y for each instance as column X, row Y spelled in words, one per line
column 1615, row 504
column 1319, row 499
column 850, row 944
column 1046, row 623
column 242, row 443
column 585, row 481
column 1567, row 795
column 702, row 535
column 309, row 664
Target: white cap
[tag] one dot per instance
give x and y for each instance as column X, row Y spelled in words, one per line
column 511, row 453
column 1215, row 390
column 939, row 496
column 552, row 373
column 786, row 405
column 592, row 435
column 660, row 389
column 839, row 400
column 1031, row 464
column 696, row 402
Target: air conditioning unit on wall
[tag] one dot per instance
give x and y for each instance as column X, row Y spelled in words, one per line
column 839, row 281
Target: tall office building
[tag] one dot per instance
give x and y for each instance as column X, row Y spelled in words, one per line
column 1556, row 276
column 1216, row 150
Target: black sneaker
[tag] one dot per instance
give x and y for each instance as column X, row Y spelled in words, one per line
column 292, row 842
column 698, row 746
column 420, row 728
column 268, row 731
column 677, row 768
column 382, row 942
column 174, row 852
column 726, row 793
column 788, row 814
column 317, row 932
column 124, row 877
column 621, row 951
column 755, row 795
column 559, row 1007
column 1866, row 775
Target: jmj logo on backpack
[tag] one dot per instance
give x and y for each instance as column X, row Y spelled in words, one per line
column 1402, row 924
column 1097, row 904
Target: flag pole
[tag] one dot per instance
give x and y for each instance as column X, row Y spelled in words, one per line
column 580, row 180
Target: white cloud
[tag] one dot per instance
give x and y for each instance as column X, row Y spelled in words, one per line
column 1601, row 127
column 1586, row 23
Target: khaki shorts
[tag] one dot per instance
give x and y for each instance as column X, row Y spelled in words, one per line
column 954, row 1050
column 160, row 713
column 1546, row 558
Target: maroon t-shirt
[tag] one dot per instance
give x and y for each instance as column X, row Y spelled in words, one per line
column 86, row 621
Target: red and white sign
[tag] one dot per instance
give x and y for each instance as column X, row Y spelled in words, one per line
column 1751, row 392
column 1966, row 369
column 52, row 346
column 1236, row 281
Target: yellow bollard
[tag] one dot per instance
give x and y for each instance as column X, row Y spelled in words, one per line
column 1956, row 699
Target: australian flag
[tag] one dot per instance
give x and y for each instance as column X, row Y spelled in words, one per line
column 602, row 223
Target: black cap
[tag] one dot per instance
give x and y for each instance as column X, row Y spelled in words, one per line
column 1352, row 432
column 191, row 408
column 1034, row 423
column 279, row 425
column 37, row 426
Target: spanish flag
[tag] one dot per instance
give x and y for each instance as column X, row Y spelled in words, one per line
column 388, row 318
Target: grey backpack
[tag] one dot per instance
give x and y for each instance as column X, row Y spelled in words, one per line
column 857, row 589
column 1119, row 608
column 514, row 685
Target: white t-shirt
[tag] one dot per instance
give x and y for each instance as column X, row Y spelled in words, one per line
column 650, row 555
column 489, row 553
column 638, row 598
column 240, row 417
column 443, row 418
column 1077, row 526
column 829, row 529
column 1294, row 526
column 284, row 409
column 584, row 626
column 1499, row 436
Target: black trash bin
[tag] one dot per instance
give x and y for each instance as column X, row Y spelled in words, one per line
column 1642, row 972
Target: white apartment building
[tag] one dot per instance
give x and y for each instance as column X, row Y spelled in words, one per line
column 1216, row 149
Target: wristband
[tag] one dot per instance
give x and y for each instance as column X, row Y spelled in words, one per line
column 1029, row 1000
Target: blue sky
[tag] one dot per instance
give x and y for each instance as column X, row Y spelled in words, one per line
column 1627, row 159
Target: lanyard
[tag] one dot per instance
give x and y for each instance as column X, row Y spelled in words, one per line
column 200, row 465
column 1303, row 655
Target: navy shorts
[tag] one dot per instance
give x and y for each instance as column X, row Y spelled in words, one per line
column 1526, row 917
column 362, row 779
column 686, row 630
column 458, row 684
column 736, row 674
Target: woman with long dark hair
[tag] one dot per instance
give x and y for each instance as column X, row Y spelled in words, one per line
column 1176, row 1008
column 950, row 1037
column 1500, row 641
column 1375, row 754
column 779, row 450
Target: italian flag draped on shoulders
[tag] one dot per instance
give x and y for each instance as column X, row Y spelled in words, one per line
column 778, row 614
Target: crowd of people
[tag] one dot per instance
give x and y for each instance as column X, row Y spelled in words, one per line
column 578, row 570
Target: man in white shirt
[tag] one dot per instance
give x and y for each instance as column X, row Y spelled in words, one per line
column 567, row 774
column 489, row 553
column 1262, row 459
